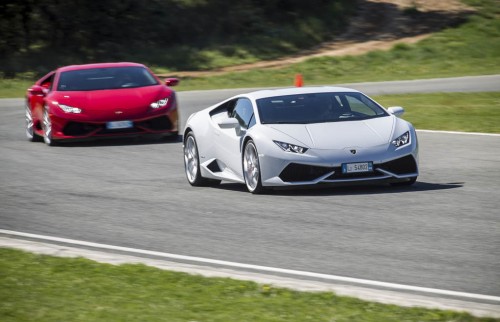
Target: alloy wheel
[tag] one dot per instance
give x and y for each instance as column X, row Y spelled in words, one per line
column 47, row 128
column 191, row 159
column 251, row 168
column 30, row 133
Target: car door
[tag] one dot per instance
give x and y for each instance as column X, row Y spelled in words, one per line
column 230, row 139
column 37, row 100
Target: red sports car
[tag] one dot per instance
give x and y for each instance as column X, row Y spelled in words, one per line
column 100, row 100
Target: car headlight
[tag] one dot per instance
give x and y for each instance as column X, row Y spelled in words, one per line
column 401, row 140
column 287, row 147
column 159, row 103
column 70, row 109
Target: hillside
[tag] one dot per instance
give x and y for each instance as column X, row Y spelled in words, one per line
column 378, row 25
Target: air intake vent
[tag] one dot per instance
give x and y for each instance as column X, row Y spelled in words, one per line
column 295, row 172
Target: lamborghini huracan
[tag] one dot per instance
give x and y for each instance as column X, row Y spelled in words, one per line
column 100, row 100
column 298, row 137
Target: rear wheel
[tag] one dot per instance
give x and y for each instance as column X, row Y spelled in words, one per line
column 192, row 163
column 251, row 168
column 30, row 128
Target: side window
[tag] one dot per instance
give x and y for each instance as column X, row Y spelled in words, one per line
column 48, row 82
column 360, row 105
column 243, row 112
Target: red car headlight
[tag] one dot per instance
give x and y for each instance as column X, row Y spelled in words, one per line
column 69, row 109
column 159, row 103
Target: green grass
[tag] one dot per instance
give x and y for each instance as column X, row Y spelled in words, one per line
column 11, row 88
column 467, row 112
column 43, row 288
column 472, row 48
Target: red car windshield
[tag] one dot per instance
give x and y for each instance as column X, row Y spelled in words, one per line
column 105, row 78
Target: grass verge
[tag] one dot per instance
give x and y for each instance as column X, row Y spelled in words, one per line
column 472, row 48
column 12, row 88
column 467, row 112
column 44, row 288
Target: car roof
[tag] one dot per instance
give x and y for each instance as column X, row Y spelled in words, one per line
column 98, row 65
column 297, row 90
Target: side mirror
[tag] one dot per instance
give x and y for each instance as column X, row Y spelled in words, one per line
column 37, row 90
column 229, row 123
column 396, row 110
column 171, row 81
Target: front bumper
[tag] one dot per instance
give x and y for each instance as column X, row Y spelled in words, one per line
column 391, row 166
column 303, row 174
column 64, row 129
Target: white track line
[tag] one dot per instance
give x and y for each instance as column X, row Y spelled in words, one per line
column 257, row 267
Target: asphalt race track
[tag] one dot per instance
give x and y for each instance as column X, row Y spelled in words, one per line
column 443, row 232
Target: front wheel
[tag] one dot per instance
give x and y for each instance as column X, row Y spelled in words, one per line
column 192, row 163
column 251, row 168
column 47, row 128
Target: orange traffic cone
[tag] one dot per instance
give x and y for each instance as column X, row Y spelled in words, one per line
column 299, row 82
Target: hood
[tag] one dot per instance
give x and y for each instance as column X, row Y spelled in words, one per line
column 104, row 103
column 340, row 135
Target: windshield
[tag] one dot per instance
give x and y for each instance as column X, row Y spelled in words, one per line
column 318, row 108
column 105, row 78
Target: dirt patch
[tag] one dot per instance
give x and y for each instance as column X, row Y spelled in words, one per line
column 378, row 25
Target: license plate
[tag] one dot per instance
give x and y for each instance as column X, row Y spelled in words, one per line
column 357, row 167
column 119, row 125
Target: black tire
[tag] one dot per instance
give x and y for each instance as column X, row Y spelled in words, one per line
column 192, row 163
column 30, row 126
column 47, row 128
column 251, row 168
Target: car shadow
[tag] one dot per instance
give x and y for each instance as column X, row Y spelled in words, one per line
column 367, row 189
column 122, row 141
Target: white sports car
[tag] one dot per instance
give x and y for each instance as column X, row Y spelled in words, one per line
column 299, row 136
